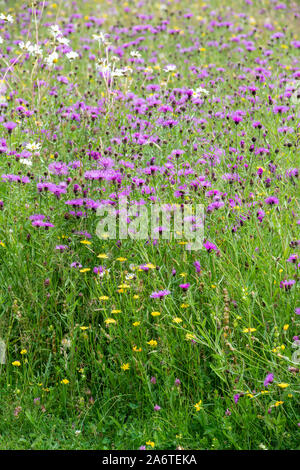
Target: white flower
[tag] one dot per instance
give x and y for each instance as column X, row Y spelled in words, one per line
column 101, row 38
column 117, row 73
column 1, row 40
column 170, row 68
column 7, row 18
column 135, row 54
column 200, row 91
column 55, row 31
column 26, row 161
column 63, row 40
column 33, row 146
column 129, row 276
column 72, row 55
column 35, row 50
column 103, row 66
column 24, row 45
column 51, row 59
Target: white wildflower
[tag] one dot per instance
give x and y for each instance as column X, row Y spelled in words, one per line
column 135, row 54
column 72, row 55
column 170, row 68
column 199, row 91
column 33, row 146
column 63, row 40
column 7, row 18
column 26, row 161
column 101, row 38
column 55, row 31
column 51, row 59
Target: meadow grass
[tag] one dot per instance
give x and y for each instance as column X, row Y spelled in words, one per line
column 185, row 102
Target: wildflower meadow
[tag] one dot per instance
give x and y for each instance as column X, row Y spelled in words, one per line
column 149, row 224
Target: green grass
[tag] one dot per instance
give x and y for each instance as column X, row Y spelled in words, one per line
column 63, row 385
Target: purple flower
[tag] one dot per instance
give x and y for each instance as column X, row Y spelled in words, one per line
column 159, row 294
column 157, row 408
column 197, row 266
column 9, row 126
column 58, row 168
column 269, row 379
column 287, row 284
column 177, row 382
column 272, row 200
column 227, row 412
column 61, row 247
column 236, row 398
column 210, row 247
column 185, row 286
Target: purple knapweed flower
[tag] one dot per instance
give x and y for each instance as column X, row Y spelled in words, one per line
column 269, row 379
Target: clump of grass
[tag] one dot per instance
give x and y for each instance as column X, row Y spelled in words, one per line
column 127, row 343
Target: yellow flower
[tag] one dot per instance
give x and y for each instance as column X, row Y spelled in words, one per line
column 136, row 297
column 279, row 403
column 83, row 328
column 189, row 336
column 121, row 259
column 198, row 405
column 85, row 242
column 102, row 256
column 150, row 266
column 177, row 320
column 125, row 366
column 283, row 385
column 103, row 297
column 136, row 323
column 184, row 305
column 136, row 349
column 110, row 321
column 152, row 343
column 249, row 330
column 64, row 381
column 2, row 244
column 24, row 351
column 123, row 286
column 116, row 311
column 16, row 363
column 155, row 314
column 286, row 327
column 150, row 443
column 84, row 270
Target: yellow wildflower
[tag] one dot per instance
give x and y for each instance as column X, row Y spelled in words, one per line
column 283, row 385
column 150, row 443
column 198, row 405
column 16, row 363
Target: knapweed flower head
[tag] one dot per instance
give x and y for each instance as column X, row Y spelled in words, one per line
column 160, row 294
column 269, row 379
